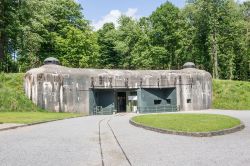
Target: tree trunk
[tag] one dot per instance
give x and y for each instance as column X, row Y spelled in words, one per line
column 231, row 63
column 214, row 56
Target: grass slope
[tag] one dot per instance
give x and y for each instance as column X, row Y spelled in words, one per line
column 231, row 95
column 188, row 122
column 12, row 98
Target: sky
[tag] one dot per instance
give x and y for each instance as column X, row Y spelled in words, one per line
column 102, row 11
column 99, row 12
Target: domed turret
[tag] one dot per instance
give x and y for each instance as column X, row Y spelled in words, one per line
column 51, row 60
column 188, row 65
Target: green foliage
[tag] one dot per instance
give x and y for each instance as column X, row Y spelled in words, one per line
column 108, row 55
column 12, row 98
column 8, row 30
column 165, row 24
column 126, row 39
column 40, row 29
column 78, row 48
column 214, row 34
column 218, row 43
column 33, row 117
column 233, row 95
column 141, row 57
column 188, row 122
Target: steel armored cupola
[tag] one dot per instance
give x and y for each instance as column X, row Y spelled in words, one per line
column 51, row 60
column 189, row 65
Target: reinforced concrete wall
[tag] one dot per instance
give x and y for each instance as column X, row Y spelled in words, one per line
column 61, row 89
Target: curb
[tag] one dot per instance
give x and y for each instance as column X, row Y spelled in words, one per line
column 32, row 124
column 191, row 134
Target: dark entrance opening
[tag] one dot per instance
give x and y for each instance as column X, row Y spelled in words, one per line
column 121, row 101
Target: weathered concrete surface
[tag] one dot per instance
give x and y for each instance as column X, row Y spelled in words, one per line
column 61, row 89
column 76, row 142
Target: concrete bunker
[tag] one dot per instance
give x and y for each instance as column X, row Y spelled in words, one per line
column 104, row 91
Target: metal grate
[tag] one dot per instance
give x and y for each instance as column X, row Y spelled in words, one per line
column 156, row 109
column 99, row 110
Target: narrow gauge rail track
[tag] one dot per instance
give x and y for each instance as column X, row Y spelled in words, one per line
column 115, row 137
column 100, row 140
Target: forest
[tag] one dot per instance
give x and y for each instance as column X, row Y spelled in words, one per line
column 214, row 34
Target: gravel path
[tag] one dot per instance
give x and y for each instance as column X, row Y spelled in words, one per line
column 80, row 141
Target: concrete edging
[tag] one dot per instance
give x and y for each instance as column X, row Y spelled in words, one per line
column 191, row 134
column 31, row 124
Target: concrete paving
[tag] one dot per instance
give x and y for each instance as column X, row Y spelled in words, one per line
column 9, row 125
column 77, row 142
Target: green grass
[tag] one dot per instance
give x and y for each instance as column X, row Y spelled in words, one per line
column 32, row 117
column 231, row 95
column 188, row 122
column 12, row 97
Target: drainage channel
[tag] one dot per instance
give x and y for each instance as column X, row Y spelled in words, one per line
column 115, row 137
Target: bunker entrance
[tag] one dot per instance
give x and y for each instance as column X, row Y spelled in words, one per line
column 106, row 102
column 126, row 100
column 121, row 102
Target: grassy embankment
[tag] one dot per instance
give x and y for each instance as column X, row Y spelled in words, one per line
column 188, row 122
column 233, row 95
column 16, row 108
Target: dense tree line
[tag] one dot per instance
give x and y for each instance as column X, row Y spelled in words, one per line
column 214, row 34
column 32, row 30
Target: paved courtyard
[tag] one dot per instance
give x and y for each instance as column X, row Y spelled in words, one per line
column 111, row 140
